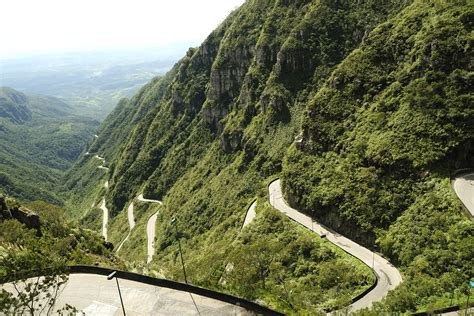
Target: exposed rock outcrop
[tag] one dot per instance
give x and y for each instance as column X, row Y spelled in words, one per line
column 212, row 116
column 225, row 83
column 231, row 141
column 27, row 217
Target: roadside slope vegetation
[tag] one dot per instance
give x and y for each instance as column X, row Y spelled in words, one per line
column 380, row 141
column 361, row 80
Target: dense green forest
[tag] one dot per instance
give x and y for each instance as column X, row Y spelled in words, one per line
column 380, row 140
column 377, row 95
column 39, row 140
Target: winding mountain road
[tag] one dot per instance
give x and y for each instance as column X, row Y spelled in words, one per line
column 388, row 276
column 100, row 158
column 150, row 232
column 142, row 199
column 131, row 221
column 249, row 217
column 103, row 162
column 150, row 228
column 464, row 187
column 105, row 218
column 103, row 207
column 131, row 225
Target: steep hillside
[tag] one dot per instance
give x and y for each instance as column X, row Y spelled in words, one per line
column 39, row 140
column 380, row 140
column 12, row 106
column 208, row 138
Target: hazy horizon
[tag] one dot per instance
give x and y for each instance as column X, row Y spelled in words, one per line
column 53, row 27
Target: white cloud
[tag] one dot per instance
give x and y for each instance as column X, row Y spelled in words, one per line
column 28, row 26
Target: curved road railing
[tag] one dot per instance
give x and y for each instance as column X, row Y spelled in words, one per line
column 173, row 285
column 388, row 277
column 251, row 306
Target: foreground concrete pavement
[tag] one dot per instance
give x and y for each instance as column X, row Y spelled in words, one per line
column 388, row 276
column 464, row 188
column 95, row 295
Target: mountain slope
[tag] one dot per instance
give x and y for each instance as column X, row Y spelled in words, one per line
column 39, row 140
column 380, row 140
column 12, row 106
column 208, row 138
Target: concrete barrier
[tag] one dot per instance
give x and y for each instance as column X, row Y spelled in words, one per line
column 251, row 306
column 80, row 269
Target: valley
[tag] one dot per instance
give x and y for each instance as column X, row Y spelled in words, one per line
column 91, row 82
column 40, row 138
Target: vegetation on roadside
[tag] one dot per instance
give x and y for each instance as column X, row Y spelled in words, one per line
column 46, row 249
column 380, row 140
column 291, row 267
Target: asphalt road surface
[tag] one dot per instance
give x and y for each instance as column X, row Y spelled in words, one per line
column 249, row 217
column 105, row 218
column 464, row 188
column 150, row 229
column 131, row 225
column 103, row 162
column 388, row 276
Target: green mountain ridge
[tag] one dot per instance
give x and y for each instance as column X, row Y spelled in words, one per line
column 364, row 109
column 12, row 106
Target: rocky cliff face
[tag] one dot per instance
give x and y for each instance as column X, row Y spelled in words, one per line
column 21, row 214
column 27, row 217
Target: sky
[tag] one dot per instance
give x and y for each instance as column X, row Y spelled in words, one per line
column 29, row 27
